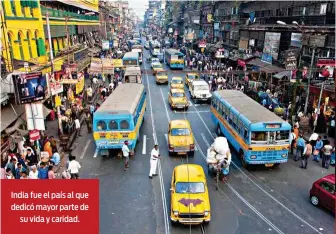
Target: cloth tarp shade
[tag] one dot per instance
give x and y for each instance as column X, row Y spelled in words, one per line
column 59, row 30
column 82, row 6
column 280, row 75
column 8, row 115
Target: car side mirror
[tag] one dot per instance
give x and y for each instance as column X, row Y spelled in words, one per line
column 172, row 189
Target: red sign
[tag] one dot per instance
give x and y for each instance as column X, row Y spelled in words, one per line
column 34, row 135
column 326, row 62
column 52, row 205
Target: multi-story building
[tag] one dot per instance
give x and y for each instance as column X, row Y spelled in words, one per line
column 72, row 23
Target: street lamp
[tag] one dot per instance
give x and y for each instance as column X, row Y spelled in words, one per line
column 281, row 22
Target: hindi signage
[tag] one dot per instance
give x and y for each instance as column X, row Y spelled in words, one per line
column 291, row 59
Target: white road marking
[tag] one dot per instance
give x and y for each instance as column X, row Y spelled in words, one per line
column 85, row 149
column 163, row 193
column 190, row 103
column 95, row 154
column 214, row 135
column 144, row 144
column 263, row 190
column 197, row 104
column 205, row 140
column 189, row 112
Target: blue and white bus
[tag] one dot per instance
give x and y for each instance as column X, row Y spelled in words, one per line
column 119, row 118
column 174, row 58
column 257, row 134
column 131, row 59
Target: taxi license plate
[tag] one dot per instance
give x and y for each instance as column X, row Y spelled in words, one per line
column 269, row 165
column 181, row 153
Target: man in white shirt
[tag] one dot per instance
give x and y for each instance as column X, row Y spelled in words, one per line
column 73, row 167
column 77, row 125
column 89, row 93
column 126, row 154
column 33, row 174
column 155, row 156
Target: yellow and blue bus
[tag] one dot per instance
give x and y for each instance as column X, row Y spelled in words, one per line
column 119, row 118
column 257, row 134
column 131, row 59
column 174, row 58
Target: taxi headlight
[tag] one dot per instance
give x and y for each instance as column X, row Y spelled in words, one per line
column 206, row 213
column 175, row 212
column 253, row 157
column 284, row 155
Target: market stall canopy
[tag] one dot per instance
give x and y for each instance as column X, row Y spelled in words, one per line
column 282, row 74
column 265, row 67
column 10, row 114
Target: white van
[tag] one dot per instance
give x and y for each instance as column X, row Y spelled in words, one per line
column 200, row 91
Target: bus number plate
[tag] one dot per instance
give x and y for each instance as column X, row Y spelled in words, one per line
column 269, row 165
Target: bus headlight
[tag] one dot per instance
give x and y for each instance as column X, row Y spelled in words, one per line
column 284, row 155
column 253, row 157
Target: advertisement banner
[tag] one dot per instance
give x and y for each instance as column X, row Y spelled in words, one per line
column 58, row 101
column 108, row 67
column 328, row 64
column 30, row 87
column 117, row 63
column 267, row 58
column 243, row 44
column 96, row 66
column 56, row 86
column 296, row 40
column 271, row 44
column 69, row 75
column 34, row 135
column 80, row 84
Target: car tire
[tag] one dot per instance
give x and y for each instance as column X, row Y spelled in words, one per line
column 174, row 224
column 242, row 159
column 206, row 223
column 314, row 200
column 171, row 154
column 191, row 154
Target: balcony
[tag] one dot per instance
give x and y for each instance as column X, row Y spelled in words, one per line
column 62, row 14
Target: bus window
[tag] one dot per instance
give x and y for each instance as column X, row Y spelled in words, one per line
column 113, row 125
column 101, row 125
column 124, row 124
column 259, row 136
column 282, row 136
column 245, row 134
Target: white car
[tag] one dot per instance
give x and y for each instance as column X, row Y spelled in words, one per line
column 154, row 61
column 200, row 91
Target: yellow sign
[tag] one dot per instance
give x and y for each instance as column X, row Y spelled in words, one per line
column 202, row 50
column 117, row 63
column 80, row 85
column 209, row 18
column 58, row 101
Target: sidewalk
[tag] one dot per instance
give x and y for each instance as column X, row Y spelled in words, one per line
column 52, row 130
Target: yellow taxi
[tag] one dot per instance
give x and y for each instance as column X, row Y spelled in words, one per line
column 161, row 77
column 190, row 203
column 178, row 99
column 190, row 77
column 180, row 138
column 156, row 67
column 176, row 83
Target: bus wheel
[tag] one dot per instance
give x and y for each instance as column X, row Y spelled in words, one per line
column 242, row 159
column 219, row 131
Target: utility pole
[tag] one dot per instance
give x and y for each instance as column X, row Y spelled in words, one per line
column 68, row 43
column 51, row 57
column 309, row 78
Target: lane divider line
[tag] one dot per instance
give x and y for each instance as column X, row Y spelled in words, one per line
column 163, row 193
column 85, row 149
column 144, row 144
column 258, row 186
column 205, row 140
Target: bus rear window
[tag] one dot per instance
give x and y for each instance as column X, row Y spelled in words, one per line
column 113, row 125
column 124, row 124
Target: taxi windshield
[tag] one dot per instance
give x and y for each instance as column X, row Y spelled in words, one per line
column 178, row 95
column 162, row 74
column 157, row 65
column 180, row 132
column 189, row 187
column 177, row 81
column 193, row 77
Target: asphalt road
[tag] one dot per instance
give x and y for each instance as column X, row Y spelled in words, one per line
column 255, row 201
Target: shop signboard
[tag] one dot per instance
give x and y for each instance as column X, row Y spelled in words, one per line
column 317, row 40
column 243, row 44
column 35, row 116
column 117, row 63
column 30, row 87
column 108, row 67
column 327, row 63
column 296, row 40
column 271, row 44
column 220, row 53
column 80, row 84
column 69, row 75
column 96, row 66
column 34, row 135
column 202, row 44
column 291, row 59
column 105, row 45
column 267, row 58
